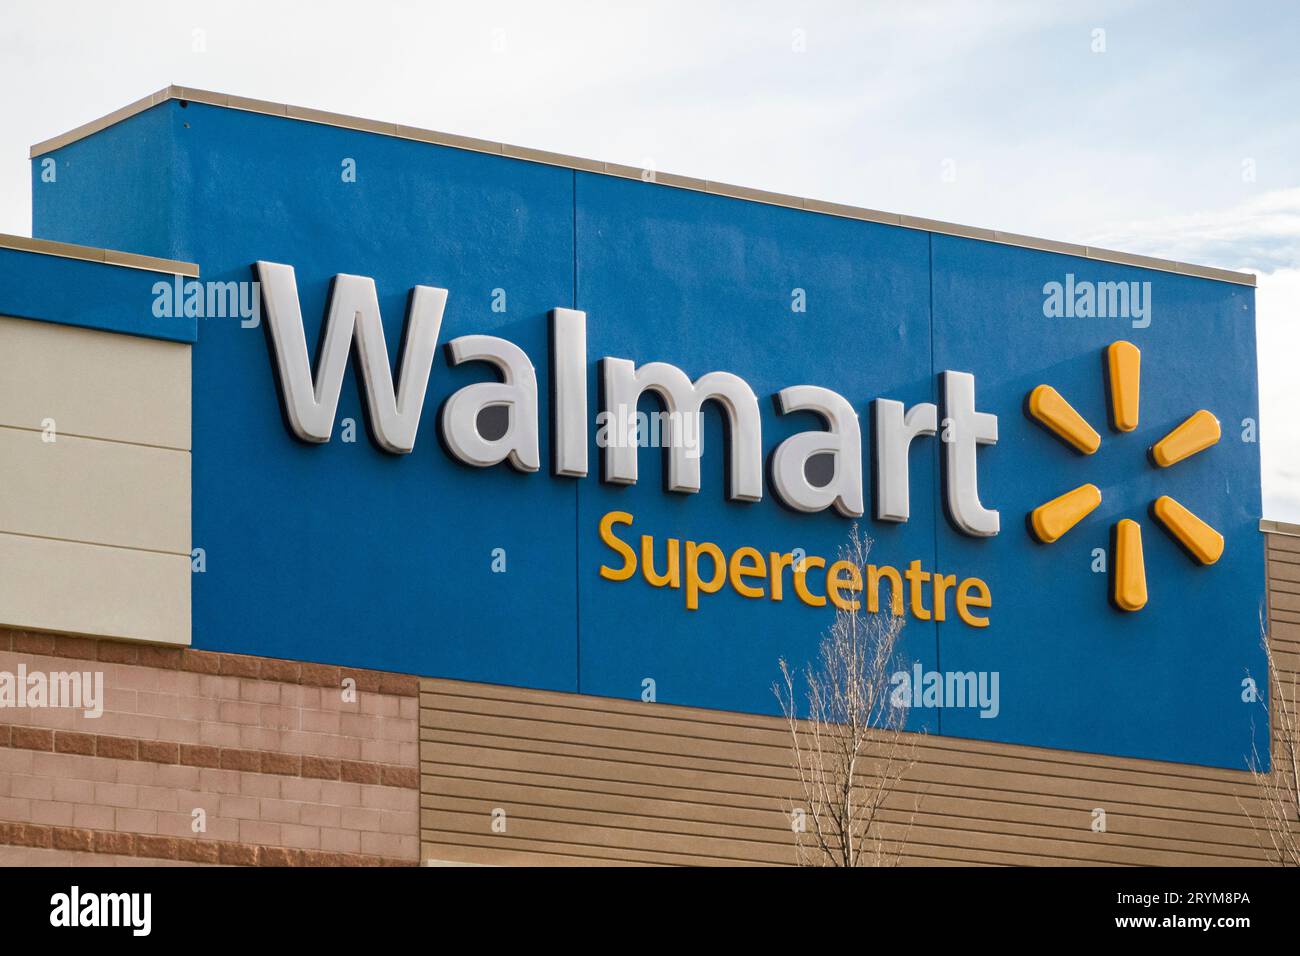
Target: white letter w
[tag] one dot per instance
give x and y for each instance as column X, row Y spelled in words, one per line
column 310, row 405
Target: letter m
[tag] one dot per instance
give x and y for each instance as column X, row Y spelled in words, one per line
column 682, row 399
column 311, row 401
column 1112, row 300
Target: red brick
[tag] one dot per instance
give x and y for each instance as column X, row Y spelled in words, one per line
column 30, row 834
column 201, row 662
column 26, row 643
column 157, row 847
column 166, row 658
column 279, row 856
column 236, row 854
column 286, row 672
column 239, row 665
column 72, row 838
column 116, row 652
column 367, row 681
column 290, row 764
column 119, row 748
column 405, row 777
column 4, row 735
column 323, row 858
column 81, row 648
column 355, row 771
column 401, row 685
column 235, row 759
column 32, row 738
column 67, row 742
column 123, row 844
column 197, row 755
column 322, row 768
column 321, row 675
column 6, row 639
column 160, row 751
column 198, row 851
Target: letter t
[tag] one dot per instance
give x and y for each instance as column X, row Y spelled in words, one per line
column 965, row 429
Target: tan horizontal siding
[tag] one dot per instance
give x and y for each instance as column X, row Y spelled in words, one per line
column 1284, row 542
column 706, row 804
column 595, row 781
column 761, row 833
column 591, row 775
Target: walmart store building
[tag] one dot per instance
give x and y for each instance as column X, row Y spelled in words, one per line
column 368, row 580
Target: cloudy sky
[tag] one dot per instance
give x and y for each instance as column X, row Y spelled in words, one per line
column 1166, row 128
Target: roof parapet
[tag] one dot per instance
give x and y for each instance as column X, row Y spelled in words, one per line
column 307, row 115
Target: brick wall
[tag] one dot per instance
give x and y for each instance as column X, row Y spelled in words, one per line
column 286, row 770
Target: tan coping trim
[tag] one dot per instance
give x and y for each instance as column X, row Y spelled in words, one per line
column 629, row 172
column 1279, row 527
column 112, row 257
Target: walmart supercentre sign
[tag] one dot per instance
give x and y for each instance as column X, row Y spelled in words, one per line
column 611, row 431
column 353, row 321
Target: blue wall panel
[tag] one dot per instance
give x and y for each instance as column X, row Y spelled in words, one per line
column 706, row 283
column 116, row 189
column 340, row 552
column 1164, row 682
column 94, row 295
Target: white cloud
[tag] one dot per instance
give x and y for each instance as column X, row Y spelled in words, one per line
column 1261, row 234
column 1277, row 308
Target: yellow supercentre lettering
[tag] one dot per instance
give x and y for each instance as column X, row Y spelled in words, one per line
column 778, row 563
column 673, row 578
column 874, row 574
column 835, row 584
column 705, row 568
column 801, row 580
column 965, row 601
column 746, row 563
column 694, row 585
column 621, row 547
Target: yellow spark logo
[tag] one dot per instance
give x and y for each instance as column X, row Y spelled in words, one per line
column 1051, row 520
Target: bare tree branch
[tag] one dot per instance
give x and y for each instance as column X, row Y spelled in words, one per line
column 851, row 751
column 1278, row 825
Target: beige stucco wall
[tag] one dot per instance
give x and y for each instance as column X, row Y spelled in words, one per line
column 95, row 515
